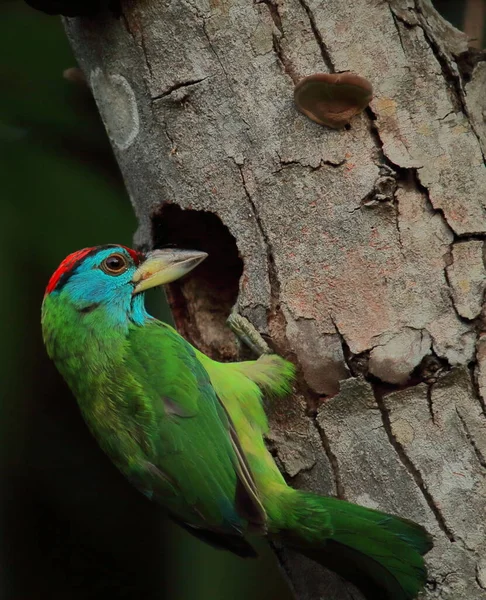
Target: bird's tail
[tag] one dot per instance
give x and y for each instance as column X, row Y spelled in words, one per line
column 380, row 553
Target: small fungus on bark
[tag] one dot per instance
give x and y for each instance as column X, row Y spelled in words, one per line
column 75, row 75
column 332, row 99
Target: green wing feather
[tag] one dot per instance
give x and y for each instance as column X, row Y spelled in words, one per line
column 211, row 486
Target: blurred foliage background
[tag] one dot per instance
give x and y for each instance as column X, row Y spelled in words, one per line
column 72, row 527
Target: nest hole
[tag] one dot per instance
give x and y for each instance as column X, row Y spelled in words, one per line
column 202, row 301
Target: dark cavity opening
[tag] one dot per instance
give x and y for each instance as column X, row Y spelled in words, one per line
column 202, row 301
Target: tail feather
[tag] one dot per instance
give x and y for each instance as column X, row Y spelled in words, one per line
column 380, row 553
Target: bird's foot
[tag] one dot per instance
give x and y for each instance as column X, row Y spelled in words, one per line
column 247, row 333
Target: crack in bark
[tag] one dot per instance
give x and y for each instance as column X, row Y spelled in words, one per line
column 448, row 73
column 478, row 579
column 470, row 439
column 195, row 10
column 375, row 136
column 274, row 13
column 454, row 78
column 166, row 131
column 225, row 73
column 178, row 86
column 140, row 44
column 326, row 56
column 455, row 86
column 413, row 173
column 145, row 53
column 216, row 55
column 380, row 198
column 344, row 345
column 272, row 274
column 476, row 323
column 448, row 261
column 409, row 465
column 331, row 457
column 469, row 237
column 430, row 403
column 126, row 23
column 474, row 384
column 396, row 19
column 399, row 449
column 296, row 163
column 287, row 66
column 396, row 206
column 451, row 112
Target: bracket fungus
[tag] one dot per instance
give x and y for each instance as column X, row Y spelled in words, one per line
column 332, row 99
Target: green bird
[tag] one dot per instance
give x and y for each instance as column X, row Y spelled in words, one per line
column 188, row 431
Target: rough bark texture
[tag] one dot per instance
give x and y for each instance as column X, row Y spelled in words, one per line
column 358, row 253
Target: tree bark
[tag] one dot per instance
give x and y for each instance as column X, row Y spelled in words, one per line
column 357, row 253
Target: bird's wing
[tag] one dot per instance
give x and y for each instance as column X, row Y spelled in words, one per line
column 198, row 469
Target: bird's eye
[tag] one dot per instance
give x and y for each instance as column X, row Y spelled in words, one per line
column 115, row 264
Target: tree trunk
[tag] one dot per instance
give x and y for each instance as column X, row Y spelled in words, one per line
column 357, row 253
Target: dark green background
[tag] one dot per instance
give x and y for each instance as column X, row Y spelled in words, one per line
column 72, row 528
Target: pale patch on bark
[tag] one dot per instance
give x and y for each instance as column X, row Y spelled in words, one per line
column 118, row 107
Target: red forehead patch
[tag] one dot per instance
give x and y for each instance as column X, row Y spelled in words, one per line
column 73, row 259
column 137, row 256
column 66, row 265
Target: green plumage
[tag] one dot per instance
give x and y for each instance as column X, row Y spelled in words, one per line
column 188, row 432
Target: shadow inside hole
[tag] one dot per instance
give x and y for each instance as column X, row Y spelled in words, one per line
column 202, row 301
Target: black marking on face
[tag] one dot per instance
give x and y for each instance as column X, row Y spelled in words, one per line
column 89, row 308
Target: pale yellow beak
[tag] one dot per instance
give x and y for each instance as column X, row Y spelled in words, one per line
column 164, row 266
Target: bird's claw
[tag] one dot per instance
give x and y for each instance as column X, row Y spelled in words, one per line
column 247, row 333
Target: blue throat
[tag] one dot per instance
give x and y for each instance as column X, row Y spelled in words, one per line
column 138, row 313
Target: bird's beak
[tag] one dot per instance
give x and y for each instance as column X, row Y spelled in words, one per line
column 164, row 266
